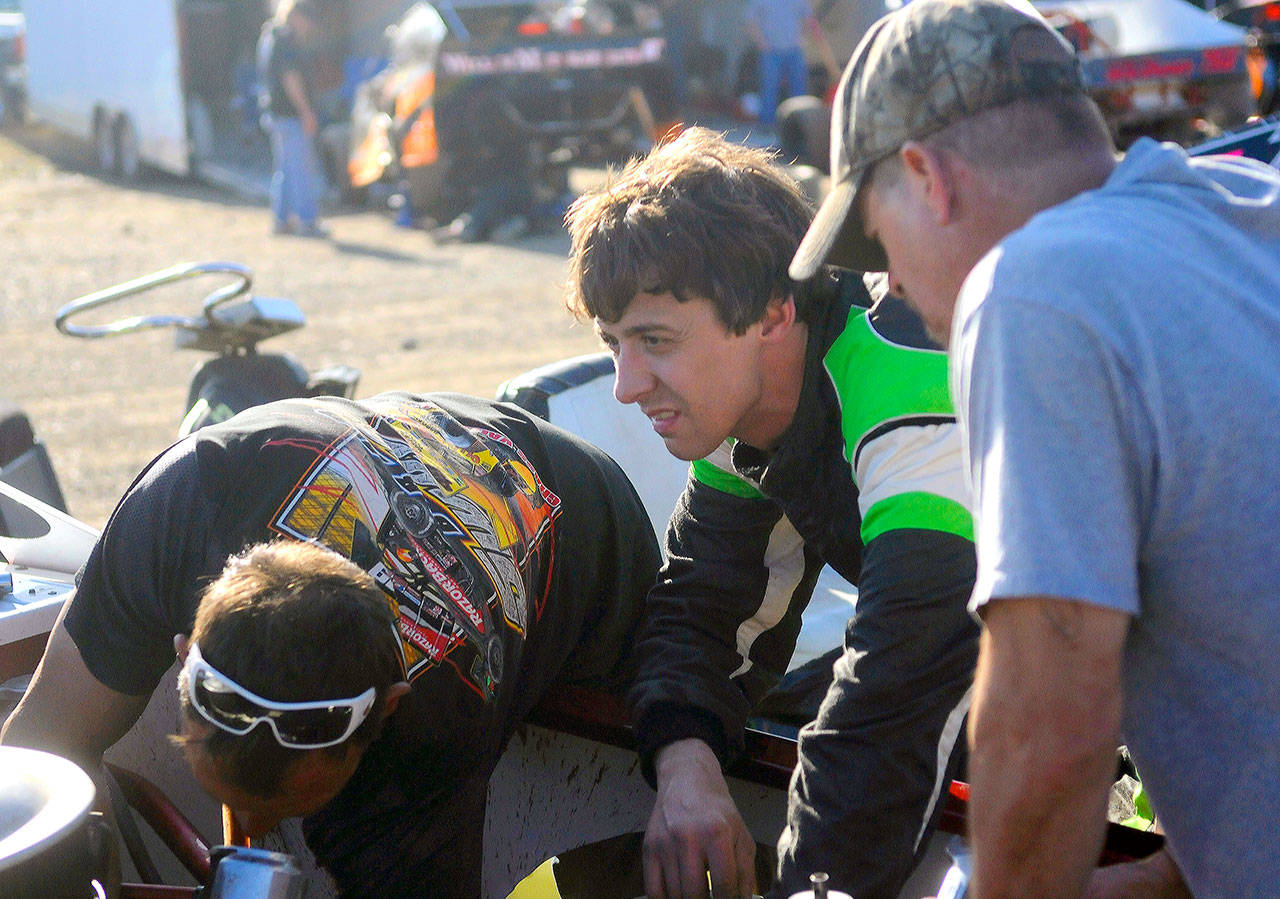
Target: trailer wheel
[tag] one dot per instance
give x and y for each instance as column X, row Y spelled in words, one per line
column 199, row 133
column 14, row 107
column 104, row 144
column 126, row 146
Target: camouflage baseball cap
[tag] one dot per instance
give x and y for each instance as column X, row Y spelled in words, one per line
column 916, row 71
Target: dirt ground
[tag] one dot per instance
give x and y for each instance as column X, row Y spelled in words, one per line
column 410, row 314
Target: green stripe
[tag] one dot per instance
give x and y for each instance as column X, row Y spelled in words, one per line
column 926, row 511
column 877, row 381
column 724, row 481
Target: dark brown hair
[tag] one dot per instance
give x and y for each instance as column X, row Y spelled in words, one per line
column 697, row 217
column 293, row 622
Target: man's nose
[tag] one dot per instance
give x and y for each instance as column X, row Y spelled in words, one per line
column 632, row 378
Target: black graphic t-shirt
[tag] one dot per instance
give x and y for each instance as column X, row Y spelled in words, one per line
column 515, row 554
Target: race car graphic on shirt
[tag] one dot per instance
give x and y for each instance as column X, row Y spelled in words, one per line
column 453, row 523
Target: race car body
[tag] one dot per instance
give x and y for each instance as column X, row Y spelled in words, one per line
column 561, row 81
column 1158, row 67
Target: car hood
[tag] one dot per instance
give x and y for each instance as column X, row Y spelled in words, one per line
column 1130, row 27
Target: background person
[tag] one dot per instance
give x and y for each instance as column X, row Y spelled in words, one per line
column 1114, row 331
column 682, row 28
column 819, row 431
column 297, row 180
column 777, row 28
column 515, row 556
column 490, row 169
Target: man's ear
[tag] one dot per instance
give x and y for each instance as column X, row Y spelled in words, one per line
column 779, row 317
column 182, row 646
column 930, row 179
column 394, row 693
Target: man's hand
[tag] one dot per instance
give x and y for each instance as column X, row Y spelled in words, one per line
column 1156, row 877
column 695, row 828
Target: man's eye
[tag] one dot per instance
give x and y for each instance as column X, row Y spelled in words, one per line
column 652, row 341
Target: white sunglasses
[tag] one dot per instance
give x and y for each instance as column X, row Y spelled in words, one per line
column 298, row 725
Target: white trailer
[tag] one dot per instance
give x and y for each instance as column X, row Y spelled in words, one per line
column 111, row 73
column 160, row 83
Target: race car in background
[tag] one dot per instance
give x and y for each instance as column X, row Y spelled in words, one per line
column 1160, row 68
column 561, row 81
column 1262, row 19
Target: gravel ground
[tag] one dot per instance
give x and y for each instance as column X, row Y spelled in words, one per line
column 409, row 314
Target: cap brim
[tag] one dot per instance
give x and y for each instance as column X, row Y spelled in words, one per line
column 836, row 237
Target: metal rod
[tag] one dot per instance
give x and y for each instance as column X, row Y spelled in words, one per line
column 819, row 883
column 243, row 279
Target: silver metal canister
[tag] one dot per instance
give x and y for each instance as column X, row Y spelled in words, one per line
column 243, row 873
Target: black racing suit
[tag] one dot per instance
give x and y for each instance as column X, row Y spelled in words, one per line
column 868, row 479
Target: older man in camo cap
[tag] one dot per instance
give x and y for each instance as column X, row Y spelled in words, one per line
column 1114, row 332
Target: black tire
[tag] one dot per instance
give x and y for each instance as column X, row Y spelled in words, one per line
column 16, row 434
column 15, row 108
column 414, row 514
column 431, row 192
column 128, row 162
column 234, row 383
column 104, row 144
column 493, row 657
column 804, row 131
column 1229, row 102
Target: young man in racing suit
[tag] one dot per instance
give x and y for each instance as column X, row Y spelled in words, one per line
column 819, row 430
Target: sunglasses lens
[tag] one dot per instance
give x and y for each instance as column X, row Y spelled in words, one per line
column 223, row 705
column 239, row 714
column 233, row 708
column 311, row 727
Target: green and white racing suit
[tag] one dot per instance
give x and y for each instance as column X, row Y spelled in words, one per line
column 867, row 479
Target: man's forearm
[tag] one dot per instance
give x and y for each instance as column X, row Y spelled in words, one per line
column 296, row 90
column 33, row 730
column 67, row 711
column 1037, row 818
column 1043, row 731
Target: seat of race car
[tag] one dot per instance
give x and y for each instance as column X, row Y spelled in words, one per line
column 577, row 395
